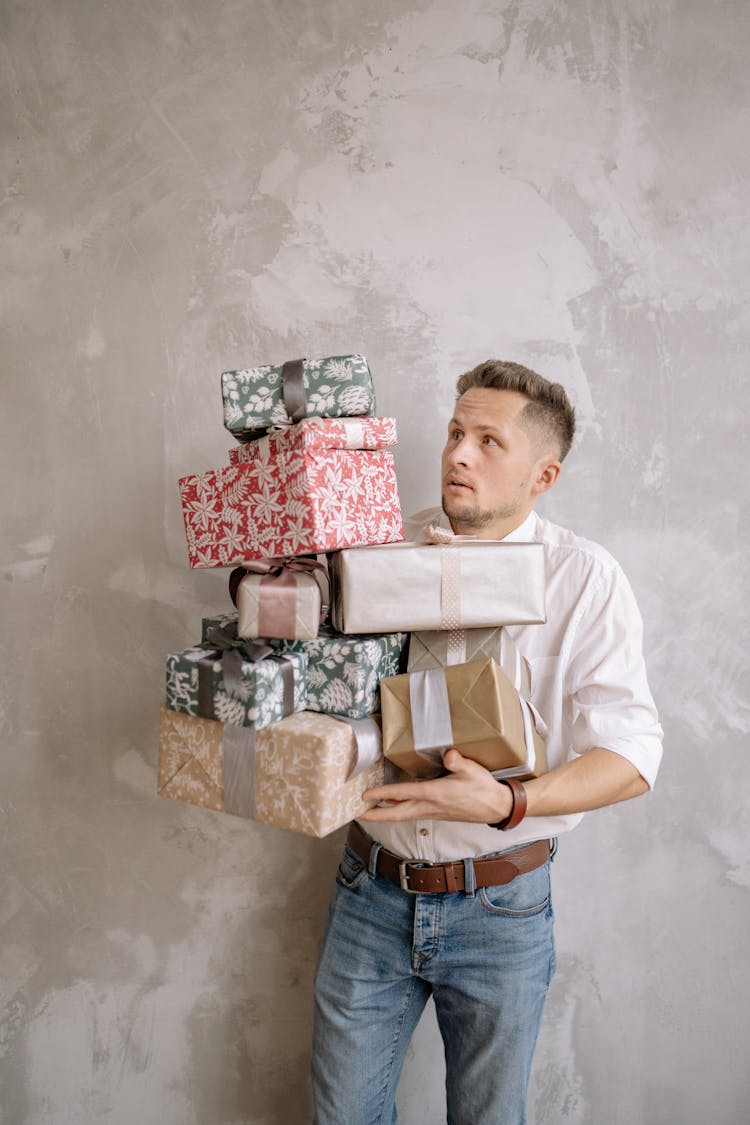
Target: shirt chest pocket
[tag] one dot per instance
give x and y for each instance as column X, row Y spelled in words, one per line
column 542, row 671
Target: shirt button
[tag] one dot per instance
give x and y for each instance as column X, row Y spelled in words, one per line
column 424, row 831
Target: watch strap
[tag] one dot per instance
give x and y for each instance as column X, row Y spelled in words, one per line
column 518, row 807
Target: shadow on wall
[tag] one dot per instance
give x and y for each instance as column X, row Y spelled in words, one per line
column 164, row 974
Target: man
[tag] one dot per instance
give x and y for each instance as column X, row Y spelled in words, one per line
column 481, row 942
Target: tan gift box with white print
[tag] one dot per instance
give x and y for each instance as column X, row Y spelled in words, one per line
column 301, row 775
column 473, row 707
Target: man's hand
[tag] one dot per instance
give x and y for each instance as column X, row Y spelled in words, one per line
column 468, row 792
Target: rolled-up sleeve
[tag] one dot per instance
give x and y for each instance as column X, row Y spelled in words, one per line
column 612, row 705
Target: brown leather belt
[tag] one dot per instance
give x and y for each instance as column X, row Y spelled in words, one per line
column 431, row 878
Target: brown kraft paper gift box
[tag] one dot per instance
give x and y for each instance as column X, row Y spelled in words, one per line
column 486, row 722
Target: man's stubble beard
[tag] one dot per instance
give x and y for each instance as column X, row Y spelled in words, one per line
column 474, row 518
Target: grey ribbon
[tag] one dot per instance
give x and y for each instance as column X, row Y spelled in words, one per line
column 224, row 644
column 238, row 769
column 293, row 397
column 368, row 743
column 432, row 728
column 293, row 389
column 238, row 751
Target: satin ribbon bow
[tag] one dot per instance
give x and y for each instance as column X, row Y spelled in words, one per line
column 278, row 620
column 222, row 643
column 443, row 536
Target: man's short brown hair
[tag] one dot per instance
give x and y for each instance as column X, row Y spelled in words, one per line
column 548, row 410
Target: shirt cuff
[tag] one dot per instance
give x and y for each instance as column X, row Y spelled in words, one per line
column 643, row 752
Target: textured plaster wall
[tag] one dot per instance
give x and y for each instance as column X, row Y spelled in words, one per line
column 192, row 185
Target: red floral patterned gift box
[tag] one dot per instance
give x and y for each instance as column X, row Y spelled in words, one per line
column 294, row 502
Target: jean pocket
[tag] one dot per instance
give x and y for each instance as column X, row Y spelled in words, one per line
column 526, row 896
column 351, row 870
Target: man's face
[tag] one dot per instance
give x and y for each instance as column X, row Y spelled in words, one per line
column 490, row 469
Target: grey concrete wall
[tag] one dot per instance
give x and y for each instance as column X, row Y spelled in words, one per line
column 189, row 186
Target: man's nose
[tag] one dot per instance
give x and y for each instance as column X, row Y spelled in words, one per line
column 461, row 453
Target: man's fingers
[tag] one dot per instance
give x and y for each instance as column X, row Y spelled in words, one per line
column 400, row 791
column 452, row 760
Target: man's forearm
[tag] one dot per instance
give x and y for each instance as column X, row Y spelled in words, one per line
column 469, row 792
column 597, row 778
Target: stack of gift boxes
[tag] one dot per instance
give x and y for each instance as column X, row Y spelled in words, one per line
column 274, row 715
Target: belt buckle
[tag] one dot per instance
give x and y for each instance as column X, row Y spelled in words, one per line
column 403, row 877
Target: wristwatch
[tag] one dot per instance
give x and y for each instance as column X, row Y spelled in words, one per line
column 518, row 807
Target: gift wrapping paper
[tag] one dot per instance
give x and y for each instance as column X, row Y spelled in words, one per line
column 293, row 504
column 414, row 587
column 302, row 767
column 190, row 759
column 338, row 386
column 438, row 648
column 314, row 434
column 479, row 712
column 259, row 699
column 343, row 672
column 295, row 775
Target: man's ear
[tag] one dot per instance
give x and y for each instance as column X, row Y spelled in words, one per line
column 546, row 473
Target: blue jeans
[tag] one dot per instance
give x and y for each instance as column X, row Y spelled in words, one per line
column 487, row 960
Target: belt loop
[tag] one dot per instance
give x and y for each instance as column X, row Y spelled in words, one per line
column 470, row 882
column 372, row 863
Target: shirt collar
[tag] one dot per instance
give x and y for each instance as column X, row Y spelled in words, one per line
column 524, row 533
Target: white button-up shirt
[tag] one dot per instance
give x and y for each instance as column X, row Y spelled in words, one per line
column 588, row 681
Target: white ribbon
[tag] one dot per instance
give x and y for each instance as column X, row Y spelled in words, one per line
column 513, row 666
column 355, row 433
column 529, row 713
column 368, row 743
column 455, row 652
column 432, row 728
column 528, row 733
column 354, row 430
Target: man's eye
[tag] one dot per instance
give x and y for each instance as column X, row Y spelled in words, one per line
column 456, row 435
column 489, row 440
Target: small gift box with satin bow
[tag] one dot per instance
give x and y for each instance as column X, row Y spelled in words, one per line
column 306, row 773
column 240, row 683
column 314, row 434
column 290, row 503
column 257, row 398
column 459, row 584
column 474, row 707
column 280, row 598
